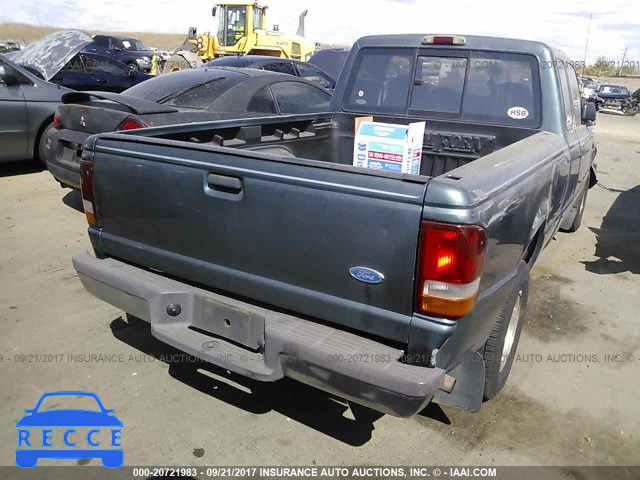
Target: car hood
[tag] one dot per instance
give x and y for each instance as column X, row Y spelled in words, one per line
column 49, row 54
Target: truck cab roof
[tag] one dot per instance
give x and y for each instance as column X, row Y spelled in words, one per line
column 473, row 42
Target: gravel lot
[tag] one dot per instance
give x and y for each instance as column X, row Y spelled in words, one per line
column 572, row 398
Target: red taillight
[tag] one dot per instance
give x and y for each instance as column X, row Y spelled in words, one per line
column 88, row 201
column 449, row 268
column 443, row 40
column 56, row 119
column 130, row 123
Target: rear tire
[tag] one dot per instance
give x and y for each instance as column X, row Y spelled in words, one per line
column 577, row 221
column 43, row 149
column 134, row 66
column 500, row 348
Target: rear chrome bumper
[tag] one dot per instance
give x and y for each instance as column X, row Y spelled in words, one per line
column 260, row 343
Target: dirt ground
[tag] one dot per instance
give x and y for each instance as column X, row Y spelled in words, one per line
column 572, row 398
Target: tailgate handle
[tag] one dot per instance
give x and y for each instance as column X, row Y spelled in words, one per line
column 224, row 184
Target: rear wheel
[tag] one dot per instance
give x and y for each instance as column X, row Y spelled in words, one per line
column 579, row 206
column 43, row 146
column 500, row 348
column 133, row 66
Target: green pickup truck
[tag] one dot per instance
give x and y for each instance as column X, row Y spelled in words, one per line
column 258, row 245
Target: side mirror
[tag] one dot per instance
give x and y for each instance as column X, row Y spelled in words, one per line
column 28, row 410
column 214, row 10
column 588, row 113
column 8, row 75
column 117, row 49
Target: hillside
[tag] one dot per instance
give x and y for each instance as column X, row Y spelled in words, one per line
column 27, row 33
column 164, row 41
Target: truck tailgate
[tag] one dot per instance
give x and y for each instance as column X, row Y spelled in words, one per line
column 283, row 232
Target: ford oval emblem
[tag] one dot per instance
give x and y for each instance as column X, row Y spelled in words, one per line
column 366, row 275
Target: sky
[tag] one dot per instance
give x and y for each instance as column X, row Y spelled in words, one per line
column 563, row 23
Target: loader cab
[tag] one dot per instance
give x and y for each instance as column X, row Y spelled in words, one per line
column 237, row 21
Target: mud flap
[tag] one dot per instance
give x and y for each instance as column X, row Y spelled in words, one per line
column 469, row 386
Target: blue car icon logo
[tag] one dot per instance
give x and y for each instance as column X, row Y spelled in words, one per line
column 69, row 433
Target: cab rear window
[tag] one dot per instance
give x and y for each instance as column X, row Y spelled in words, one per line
column 487, row 87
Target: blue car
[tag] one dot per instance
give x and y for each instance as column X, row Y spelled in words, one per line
column 59, row 58
column 127, row 50
column 90, row 71
column 32, row 447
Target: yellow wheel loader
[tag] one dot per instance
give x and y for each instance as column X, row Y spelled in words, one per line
column 241, row 31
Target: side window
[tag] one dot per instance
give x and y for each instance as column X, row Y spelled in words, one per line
column 75, row 65
column 262, row 102
column 236, row 24
column 314, row 75
column 280, row 67
column 101, row 42
column 566, row 95
column 257, row 18
column 294, row 97
column 575, row 93
column 105, row 66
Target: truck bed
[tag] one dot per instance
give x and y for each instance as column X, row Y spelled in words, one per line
column 329, row 138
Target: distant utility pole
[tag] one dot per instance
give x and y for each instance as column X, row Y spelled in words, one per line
column 622, row 63
column 586, row 44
